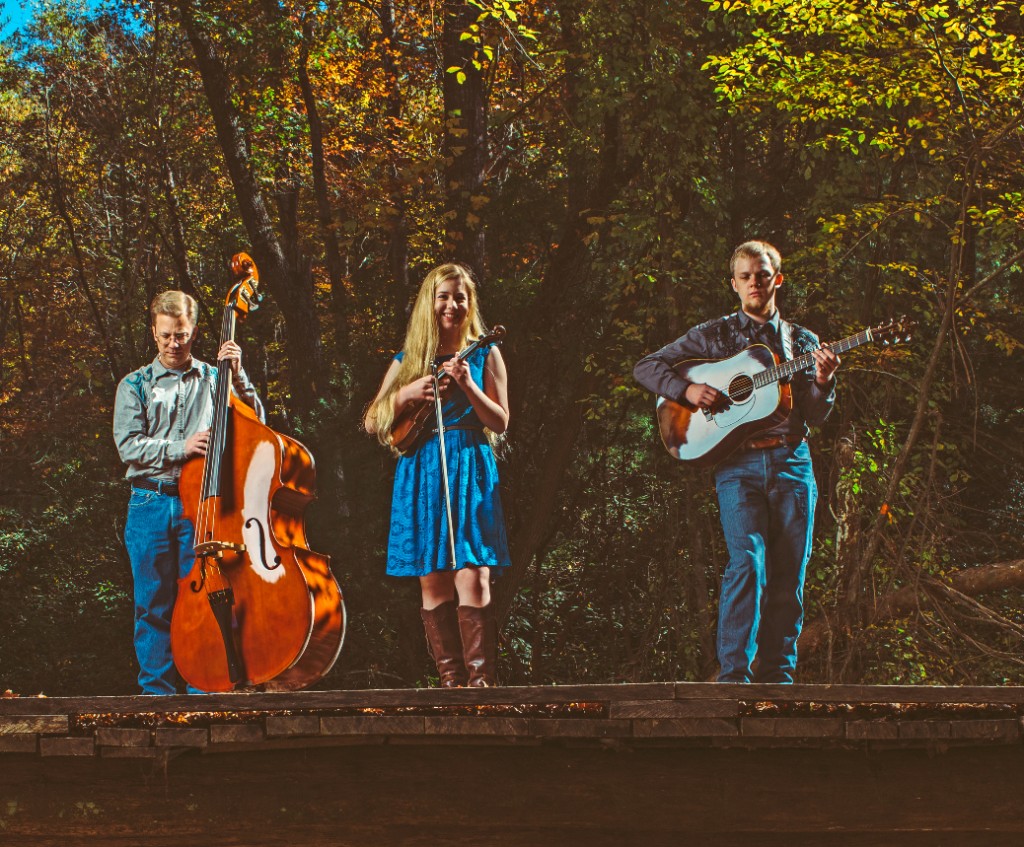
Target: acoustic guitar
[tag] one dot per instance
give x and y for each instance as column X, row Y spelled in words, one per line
column 755, row 396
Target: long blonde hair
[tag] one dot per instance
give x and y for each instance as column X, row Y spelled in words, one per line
column 421, row 340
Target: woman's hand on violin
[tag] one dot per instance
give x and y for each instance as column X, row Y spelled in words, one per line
column 233, row 353
column 421, row 391
column 458, row 370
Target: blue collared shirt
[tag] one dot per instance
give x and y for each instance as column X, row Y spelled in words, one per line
column 157, row 410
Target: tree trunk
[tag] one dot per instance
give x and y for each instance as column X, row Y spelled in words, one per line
column 984, row 579
column 82, row 276
column 562, row 385
column 851, row 598
column 325, row 216
column 288, row 277
column 465, row 139
column 562, row 411
column 398, row 243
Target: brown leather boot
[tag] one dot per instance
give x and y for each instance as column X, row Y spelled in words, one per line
column 441, row 626
column 479, row 644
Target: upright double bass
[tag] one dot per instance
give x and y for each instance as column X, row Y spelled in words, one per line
column 259, row 608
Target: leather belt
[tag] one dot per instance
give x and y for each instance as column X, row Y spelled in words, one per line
column 769, row 442
column 160, row 486
column 458, row 426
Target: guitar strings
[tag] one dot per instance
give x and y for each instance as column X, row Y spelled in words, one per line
column 742, row 386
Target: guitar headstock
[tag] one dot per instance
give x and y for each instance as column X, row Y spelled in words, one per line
column 244, row 296
column 894, row 331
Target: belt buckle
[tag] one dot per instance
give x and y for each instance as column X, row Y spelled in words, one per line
column 767, row 442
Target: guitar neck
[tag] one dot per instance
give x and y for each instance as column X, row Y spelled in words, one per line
column 787, row 369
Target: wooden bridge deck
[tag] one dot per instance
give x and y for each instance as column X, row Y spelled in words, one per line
column 660, row 763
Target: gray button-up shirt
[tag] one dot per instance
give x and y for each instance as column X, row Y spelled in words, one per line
column 157, row 410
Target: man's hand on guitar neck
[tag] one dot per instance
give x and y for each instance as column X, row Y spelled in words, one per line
column 825, row 364
column 705, row 397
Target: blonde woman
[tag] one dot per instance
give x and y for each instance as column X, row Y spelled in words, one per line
column 457, row 614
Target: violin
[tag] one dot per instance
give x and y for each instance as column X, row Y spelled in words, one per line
column 408, row 426
column 258, row 608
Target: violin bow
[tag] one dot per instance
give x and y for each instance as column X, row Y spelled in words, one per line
column 444, row 467
column 494, row 335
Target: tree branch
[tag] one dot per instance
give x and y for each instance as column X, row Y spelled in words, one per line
column 983, row 579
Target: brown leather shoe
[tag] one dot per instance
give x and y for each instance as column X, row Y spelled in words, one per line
column 479, row 644
column 441, row 626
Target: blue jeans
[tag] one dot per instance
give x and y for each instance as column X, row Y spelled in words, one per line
column 159, row 542
column 767, row 500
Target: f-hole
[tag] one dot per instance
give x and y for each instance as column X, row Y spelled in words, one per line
column 263, row 545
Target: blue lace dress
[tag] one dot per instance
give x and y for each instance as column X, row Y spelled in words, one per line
column 418, row 541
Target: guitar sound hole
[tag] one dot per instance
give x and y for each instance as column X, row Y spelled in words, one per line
column 740, row 388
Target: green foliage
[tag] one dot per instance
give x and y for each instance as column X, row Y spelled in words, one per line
column 65, row 588
column 870, row 464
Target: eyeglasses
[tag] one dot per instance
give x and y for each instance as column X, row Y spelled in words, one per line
column 180, row 337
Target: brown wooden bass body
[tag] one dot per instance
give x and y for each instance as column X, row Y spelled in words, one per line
column 259, row 608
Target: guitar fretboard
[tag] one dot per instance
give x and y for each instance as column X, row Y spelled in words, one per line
column 787, row 369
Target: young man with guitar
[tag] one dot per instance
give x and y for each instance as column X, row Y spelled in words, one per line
column 162, row 417
column 755, row 433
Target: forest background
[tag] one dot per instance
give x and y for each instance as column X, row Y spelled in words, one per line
column 595, row 163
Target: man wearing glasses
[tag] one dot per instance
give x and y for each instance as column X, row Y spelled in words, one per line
column 766, row 488
column 162, row 416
